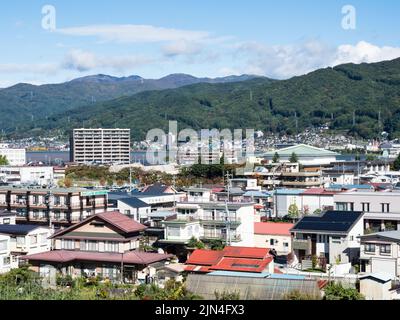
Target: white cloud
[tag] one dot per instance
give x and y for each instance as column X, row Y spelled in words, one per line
column 134, row 33
column 285, row 61
column 44, row 68
column 182, row 47
column 365, row 52
column 86, row 61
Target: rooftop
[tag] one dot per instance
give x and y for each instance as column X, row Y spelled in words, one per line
column 17, row 229
column 302, row 150
column 330, row 221
column 131, row 257
column 271, row 228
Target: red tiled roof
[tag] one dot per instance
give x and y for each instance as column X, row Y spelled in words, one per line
column 244, row 265
column 278, row 229
column 115, row 218
column 131, row 257
column 204, row 257
column 246, row 252
column 122, row 222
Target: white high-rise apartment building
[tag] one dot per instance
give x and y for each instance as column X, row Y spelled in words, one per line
column 103, row 146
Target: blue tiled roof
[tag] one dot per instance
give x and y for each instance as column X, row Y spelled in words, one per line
column 289, row 191
column 351, row 186
column 134, row 202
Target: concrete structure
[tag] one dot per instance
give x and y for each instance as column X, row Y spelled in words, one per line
column 380, row 252
column 15, row 157
column 30, row 175
column 382, row 209
column 101, row 146
column 7, row 217
column 59, row 207
column 231, row 222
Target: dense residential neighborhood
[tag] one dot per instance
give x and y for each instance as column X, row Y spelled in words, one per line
column 295, row 214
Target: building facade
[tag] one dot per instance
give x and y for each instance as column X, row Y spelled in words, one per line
column 101, row 146
column 58, row 207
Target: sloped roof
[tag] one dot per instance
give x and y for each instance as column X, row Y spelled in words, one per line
column 301, row 150
column 116, row 219
column 134, row 202
column 393, row 235
column 240, row 264
column 17, row 229
column 330, row 221
column 246, row 252
column 271, row 228
column 131, row 257
column 381, row 276
column 204, row 257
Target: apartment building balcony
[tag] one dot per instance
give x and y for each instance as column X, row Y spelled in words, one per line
column 38, row 206
column 220, row 220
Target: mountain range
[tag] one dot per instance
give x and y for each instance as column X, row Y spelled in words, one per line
column 361, row 100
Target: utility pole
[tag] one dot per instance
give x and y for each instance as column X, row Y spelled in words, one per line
column 228, row 218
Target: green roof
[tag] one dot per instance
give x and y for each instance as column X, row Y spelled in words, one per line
column 301, row 150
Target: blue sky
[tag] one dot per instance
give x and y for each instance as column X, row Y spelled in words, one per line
column 153, row 38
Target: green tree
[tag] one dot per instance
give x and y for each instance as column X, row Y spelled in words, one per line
column 336, row 291
column 276, row 158
column 294, row 158
column 4, row 161
column 293, row 211
column 396, row 164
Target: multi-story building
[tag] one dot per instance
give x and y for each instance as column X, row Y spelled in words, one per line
column 15, row 157
column 52, row 206
column 32, row 175
column 380, row 252
column 333, row 237
column 231, row 222
column 382, row 209
column 101, row 146
column 19, row 240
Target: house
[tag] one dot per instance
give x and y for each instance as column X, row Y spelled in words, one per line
column 284, row 198
column 159, row 188
column 17, row 241
column 380, row 252
column 332, row 236
column 382, row 208
column 132, row 207
column 237, row 259
column 275, row 236
column 317, row 200
column 106, row 244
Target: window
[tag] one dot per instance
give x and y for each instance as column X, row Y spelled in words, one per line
column 111, row 246
column 369, row 248
column 36, row 214
column 271, row 242
column 92, row 246
column 286, row 244
column 128, row 212
column 6, row 221
column 33, row 239
column 35, row 200
column 336, row 240
column 3, row 245
column 6, row 261
column 385, row 207
column 351, row 206
column 385, row 249
column 68, row 244
column 20, row 241
column 365, row 206
column 57, row 215
column 57, row 200
column 341, row 206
